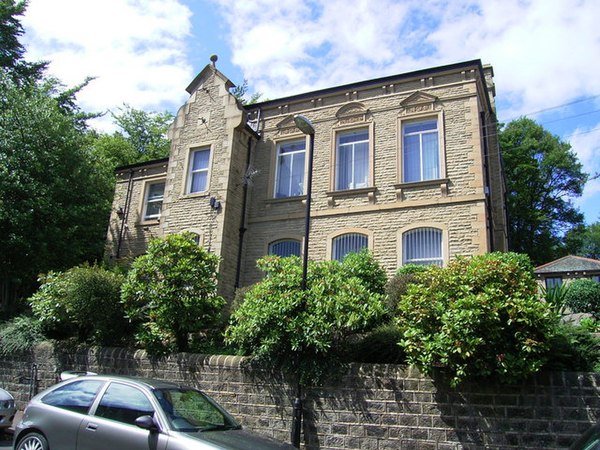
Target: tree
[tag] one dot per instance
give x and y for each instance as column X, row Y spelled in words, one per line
column 302, row 332
column 143, row 137
column 55, row 197
column 11, row 50
column 240, row 92
column 584, row 241
column 543, row 174
column 171, row 292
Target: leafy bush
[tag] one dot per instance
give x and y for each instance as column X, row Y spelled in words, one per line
column 19, row 335
column 83, row 302
column 583, row 296
column 364, row 267
column 399, row 283
column 574, row 348
column 379, row 346
column 304, row 332
column 478, row 317
column 171, row 292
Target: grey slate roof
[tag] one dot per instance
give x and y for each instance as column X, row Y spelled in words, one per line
column 569, row 263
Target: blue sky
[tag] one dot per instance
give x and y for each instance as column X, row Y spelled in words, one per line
column 145, row 52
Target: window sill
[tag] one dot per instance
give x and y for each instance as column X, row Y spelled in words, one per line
column 368, row 191
column 441, row 183
column 284, row 200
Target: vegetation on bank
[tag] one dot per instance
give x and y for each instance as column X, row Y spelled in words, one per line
column 479, row 317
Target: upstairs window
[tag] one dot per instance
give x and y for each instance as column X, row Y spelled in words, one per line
column 352, row 160
column 420, row 151
column 289, row 177
column 348, row 243
column 153, row 200
column 422, row 246
column 286, row 247
column 198, row 170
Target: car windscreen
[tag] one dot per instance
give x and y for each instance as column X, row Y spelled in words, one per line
column 191, row 410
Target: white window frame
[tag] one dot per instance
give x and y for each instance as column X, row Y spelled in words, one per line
column 191, row 171
column 416, row 118
column 282, row 241
column 424, row 230
column 354, row 184
column 293, row 155
column 147, row 187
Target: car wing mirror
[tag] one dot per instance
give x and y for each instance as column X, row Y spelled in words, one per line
column 146, row 422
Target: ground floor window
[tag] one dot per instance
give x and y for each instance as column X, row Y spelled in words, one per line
column 422, row 246
column 348, row 243
column 285, row 247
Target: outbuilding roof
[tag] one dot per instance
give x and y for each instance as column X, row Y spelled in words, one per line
column 570, row 263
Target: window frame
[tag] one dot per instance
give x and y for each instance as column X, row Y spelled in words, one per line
column 276, row 174
column 100, row 408
column 445, row 248
column 187, row 186
column 556, row 280
column 415, row 118
column 336, row 133
column 147, row 185
column 346, row 231
column 286, row 240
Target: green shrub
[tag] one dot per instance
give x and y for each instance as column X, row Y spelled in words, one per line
column 363, row 266
column 398, row 285
column 379, row 346
column 478, row 317
column 583, row 296
column 19, row 335
column 574, row 348
column 171, row 293
column 304, row 332
column 556, row 298
column 83, row 302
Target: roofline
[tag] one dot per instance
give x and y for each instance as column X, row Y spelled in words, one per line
column 387, row 79
column 568, row 256
column 151, row 162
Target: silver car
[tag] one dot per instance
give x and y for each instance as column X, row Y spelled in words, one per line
column 112, row 412
column 7, row 409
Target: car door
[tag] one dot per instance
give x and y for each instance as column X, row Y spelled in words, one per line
column 112, row 424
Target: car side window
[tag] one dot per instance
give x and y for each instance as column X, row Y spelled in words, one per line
column 77, row 396
column 124, row 404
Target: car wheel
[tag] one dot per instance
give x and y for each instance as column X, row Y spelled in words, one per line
column 32, row 441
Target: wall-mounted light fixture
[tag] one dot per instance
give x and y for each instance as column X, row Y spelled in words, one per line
column 120, row 213
column 215, row 204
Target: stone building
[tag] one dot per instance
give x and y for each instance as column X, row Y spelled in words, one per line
column 407, row 166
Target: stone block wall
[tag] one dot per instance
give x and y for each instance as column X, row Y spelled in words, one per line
column 372, row 407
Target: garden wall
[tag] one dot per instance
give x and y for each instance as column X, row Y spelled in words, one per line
column 373, row 407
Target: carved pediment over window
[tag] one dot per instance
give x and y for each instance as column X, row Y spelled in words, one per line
column 287, row 126
column 351, row 113
column 418, row 102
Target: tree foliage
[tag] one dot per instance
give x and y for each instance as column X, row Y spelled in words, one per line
column 11, row 50
column 54, row 195
column 584, row 241
column 142, row 137
column 303, row 332
column 478, row 317
column 543, row 174
column 171, row 292
column 82, row 302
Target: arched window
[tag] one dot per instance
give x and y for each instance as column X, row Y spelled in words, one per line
column 347, row 243
column 422, row 246
column 285, row 247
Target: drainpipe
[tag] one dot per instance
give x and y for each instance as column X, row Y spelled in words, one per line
column 125, row 213
column 243, row 228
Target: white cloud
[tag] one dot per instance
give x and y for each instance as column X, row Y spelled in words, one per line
column 134, row 48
